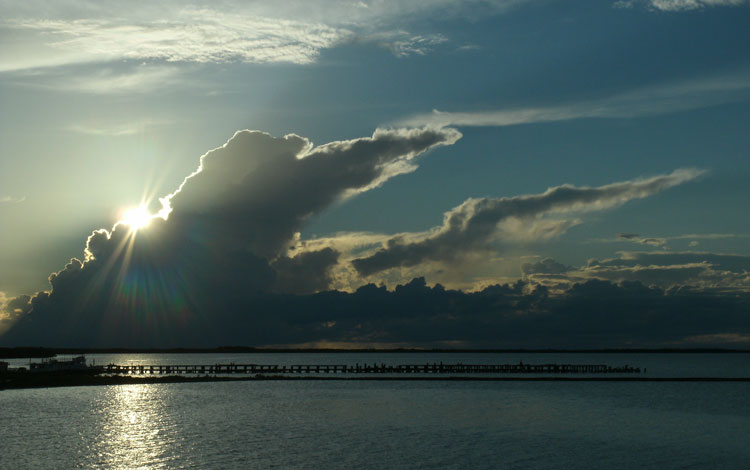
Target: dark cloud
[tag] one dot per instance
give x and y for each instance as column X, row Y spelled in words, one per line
column 474, row 225
column 221, row 269
column 12, row 309
column 691, row 239
column 665, row 270
column 723, row 262
column 20, row 305
column 667, row 275
column 670, row 269
column 635, row 238
column 305, row 273
column 594, row 313
column 545, row 266
column 256, row 191
column 229, row 228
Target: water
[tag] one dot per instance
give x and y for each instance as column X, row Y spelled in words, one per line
column 383, row 425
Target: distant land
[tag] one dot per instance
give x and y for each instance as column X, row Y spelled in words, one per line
column 40, row 352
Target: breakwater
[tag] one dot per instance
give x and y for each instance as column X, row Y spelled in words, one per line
column 430, row 368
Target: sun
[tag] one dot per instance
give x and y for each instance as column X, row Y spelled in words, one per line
column 136, row 218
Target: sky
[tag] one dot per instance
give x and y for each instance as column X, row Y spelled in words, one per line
column 492, row 173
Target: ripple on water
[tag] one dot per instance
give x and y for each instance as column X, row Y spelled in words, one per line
column 369, row 425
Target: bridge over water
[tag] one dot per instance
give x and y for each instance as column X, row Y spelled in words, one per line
column 431, row 368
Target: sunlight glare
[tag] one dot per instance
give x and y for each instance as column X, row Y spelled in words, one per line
column 136, row 218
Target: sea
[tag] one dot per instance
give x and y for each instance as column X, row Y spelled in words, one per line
column 398, row 424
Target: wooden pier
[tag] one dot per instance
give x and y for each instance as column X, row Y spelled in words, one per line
column 433, row 368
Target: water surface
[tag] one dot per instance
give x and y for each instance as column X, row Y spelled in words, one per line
column 383, row 425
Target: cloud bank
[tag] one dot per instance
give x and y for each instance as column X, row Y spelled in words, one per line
column 591, row 314
column 196, row 35
column 230, row 226
column 223, row 263
column 476, row 223
column 672, row 271
column 211, row 32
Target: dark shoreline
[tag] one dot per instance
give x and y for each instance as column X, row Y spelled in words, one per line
column 41, row 352
column 25, row 381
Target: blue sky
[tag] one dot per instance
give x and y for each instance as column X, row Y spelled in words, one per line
column 105, row 104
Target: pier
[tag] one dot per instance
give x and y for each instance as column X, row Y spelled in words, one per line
column 430, row 368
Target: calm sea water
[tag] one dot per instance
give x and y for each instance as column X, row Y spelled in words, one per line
column 388, row 425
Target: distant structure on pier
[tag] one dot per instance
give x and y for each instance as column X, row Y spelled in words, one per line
column 76, row 364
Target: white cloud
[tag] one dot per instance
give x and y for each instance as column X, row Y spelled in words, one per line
column 678, row 5
column 197, row 36
column 257, row 32
column 709, row 236
column 403, row 44
column 683, row 5
column 476, row 224
column 646, row 101
column 345, row 242
column 103, row 80
column 11, row 200
column 114, row 129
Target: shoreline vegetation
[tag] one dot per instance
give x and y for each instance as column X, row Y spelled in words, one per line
column 44, row 352
column 23, row 380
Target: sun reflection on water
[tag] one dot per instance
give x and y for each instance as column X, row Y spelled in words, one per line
column 136, row 431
